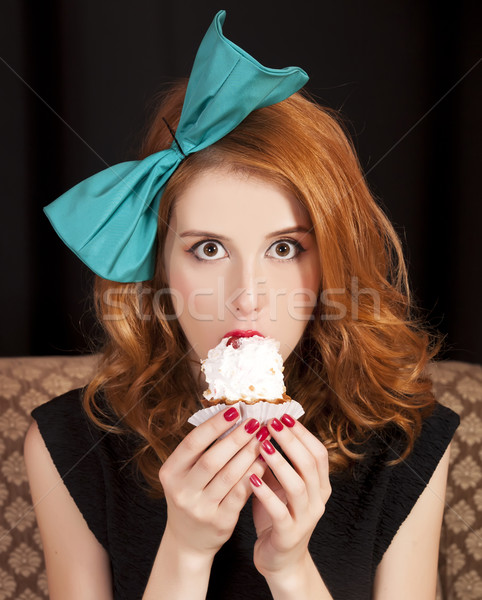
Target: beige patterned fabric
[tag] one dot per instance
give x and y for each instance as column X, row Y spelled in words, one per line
column 458, row 385
column 27, row 382
column 24, row 384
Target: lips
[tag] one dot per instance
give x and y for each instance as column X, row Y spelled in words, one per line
column 235, row 335
column 239, row 333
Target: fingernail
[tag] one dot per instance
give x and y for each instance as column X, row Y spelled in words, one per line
column 262, row 434
column 231, row 414
column 268, row 447
column 276, row 425
column 255, row 480
column 261, row 458
column 288, row 420
column 251, row 426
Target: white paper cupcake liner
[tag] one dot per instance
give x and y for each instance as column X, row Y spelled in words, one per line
column 261, row 411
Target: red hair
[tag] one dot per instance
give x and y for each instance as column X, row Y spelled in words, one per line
column 360, row 364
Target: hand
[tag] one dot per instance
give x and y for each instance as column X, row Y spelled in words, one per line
column 206, row 484
column 289, row 501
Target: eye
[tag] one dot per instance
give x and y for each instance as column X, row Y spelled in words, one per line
column 286, row 249
column 208, row 250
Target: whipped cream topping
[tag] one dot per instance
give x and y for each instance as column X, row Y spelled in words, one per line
column 251, row 369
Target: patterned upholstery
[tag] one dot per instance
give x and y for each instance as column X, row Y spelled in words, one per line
column 458, row 385
column 28, row 382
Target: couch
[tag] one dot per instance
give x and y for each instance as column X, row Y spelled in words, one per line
column 27, row 382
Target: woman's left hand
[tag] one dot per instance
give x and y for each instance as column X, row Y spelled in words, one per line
column 288, row 505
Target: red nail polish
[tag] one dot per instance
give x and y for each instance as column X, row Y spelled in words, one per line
column 251, row 426
column 276, row 425
column 268, row 447
column 288, row 420
column 255, row 480
column 261, row 458
column 231, row 414
column 262, row 434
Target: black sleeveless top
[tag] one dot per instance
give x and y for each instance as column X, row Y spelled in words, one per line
column 361, row 517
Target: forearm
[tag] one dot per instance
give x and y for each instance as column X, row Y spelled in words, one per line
column 300, row 581
column 177, row 574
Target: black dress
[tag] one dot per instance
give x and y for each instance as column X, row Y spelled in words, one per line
column 361, row 518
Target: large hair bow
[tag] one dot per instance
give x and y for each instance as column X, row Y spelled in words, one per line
column 110, row 219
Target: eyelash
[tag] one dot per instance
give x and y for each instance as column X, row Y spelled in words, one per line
column 300, row 249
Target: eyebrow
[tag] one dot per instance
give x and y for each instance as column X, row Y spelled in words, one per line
column 196, row 233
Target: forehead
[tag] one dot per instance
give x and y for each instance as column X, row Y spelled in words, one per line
column 235, row 200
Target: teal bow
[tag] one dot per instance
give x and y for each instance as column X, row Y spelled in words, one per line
column 110, row 219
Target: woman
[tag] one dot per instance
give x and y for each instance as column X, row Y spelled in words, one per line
column 265, row 223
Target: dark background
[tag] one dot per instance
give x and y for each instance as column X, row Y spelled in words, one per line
column 76, row 78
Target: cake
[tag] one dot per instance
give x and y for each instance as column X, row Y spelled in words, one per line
column 246, row 369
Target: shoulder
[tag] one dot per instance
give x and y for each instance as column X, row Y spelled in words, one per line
column 67, row 406
column 408, row 568
column 405, row 482
column 35, row 450
column 64, row 424
column 46, row 419
column 83, row 565
column 429, row 447
column 65, row 428
column 436, row 434
column 63, row 440
column 440, row 426
column 64, row 410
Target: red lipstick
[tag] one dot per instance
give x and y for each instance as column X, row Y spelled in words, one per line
column 239, row 333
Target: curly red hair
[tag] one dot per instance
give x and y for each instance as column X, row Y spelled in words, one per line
column 360, row 364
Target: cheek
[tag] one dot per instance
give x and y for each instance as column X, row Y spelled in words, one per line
column 302, row 292
column 294, row 310
column 195, row 298
column 181, row 288
column 194, row 291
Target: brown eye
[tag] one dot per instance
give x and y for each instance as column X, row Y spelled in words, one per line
column 210, row 250
column 282, row 249
column 285, row 250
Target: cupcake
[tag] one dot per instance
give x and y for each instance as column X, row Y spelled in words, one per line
column 246, row 370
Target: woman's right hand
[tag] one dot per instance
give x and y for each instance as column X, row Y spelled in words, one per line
column 206, row 484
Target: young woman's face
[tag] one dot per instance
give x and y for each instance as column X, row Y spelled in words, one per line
column 240, row 255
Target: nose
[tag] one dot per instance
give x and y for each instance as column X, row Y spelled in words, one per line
column 249, row 290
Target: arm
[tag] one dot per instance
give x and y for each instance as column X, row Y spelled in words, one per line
column 205, row 490
column 206, row 484
column 79, row 570
column 303, row 581
column 408, row 568
column 289, row 503
column 178, row 573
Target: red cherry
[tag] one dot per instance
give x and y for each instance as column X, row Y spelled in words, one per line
column 234, row 342
column 234, row 339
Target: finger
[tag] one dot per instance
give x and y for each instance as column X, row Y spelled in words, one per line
column 239, row 494
column 275, row 485
column 234, row 470
column 199, row 439
column 301, row 458
column 292, row 483
column 274, row 506
column 316, row 448
column 213, row 460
